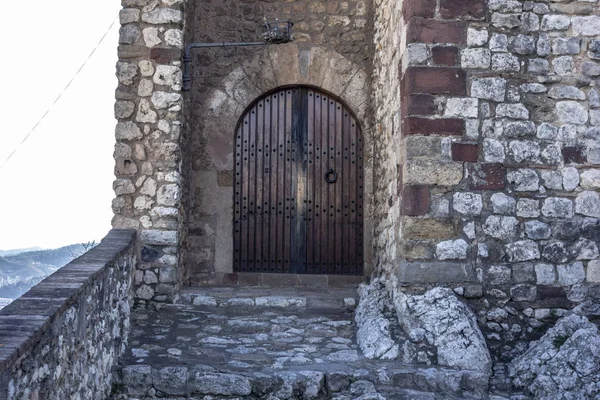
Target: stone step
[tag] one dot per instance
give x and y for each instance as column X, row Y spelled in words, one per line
column 312, row 382
column 235, row 296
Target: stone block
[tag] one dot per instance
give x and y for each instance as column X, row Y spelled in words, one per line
column 523, row 292
column 570, row 274
column 588, row 203
column 498, row 275
column 574, row 155
column 434, row 31
column 469, row 204
column 434, row 80
column 489, row 88
column 419, row 172
column 219, row 384
column 523, row 250
column 545, row 274
column 137, row 379
column 418, row 146
column 415, row 200
column 418, row 250
column 440, row 126
column 170, row 380
column 463, row 9
column 452, row 250
column 418, row 104
column 593, row 271
column 444, row 55
column 418, row 8
column 435, row 272
column 464, row 152
column 427, row 229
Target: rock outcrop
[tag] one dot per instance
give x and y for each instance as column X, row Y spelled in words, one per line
column 373, row 329
column 449, row 326
column 564, row 363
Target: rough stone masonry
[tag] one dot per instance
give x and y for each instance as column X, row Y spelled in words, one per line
column 487, row 157
column 482, row 135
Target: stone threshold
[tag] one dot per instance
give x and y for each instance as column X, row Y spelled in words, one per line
column 265, row 296
column 287, row 280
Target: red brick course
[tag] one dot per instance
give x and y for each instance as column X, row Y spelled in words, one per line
column 415, row 200
column 487, row 176
column 440, row 126
column 433, row 31
column 445, row 55
column 464, row 152
column 434, row 80
column 418, row 104
column 463, row 9
column 418, row 8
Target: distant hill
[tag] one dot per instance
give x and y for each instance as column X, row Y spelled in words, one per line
column 18, row 251
column 20, row 271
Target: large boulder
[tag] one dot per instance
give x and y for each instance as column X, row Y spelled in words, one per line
column 564, row 363
column 449, row 326
column 373, row 333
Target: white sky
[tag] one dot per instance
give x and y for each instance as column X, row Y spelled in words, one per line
column 57, row 188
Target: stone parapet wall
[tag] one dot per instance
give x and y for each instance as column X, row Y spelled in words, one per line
column 62, row 338
column 500, row 147
column 147, row 153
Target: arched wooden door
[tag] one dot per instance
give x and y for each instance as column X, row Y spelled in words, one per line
column 298, row 198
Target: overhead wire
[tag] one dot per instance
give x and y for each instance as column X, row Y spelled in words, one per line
column 16, row 148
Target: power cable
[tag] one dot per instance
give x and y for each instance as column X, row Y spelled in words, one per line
column 59, row 96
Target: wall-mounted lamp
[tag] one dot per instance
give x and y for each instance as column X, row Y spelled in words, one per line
column 276, row 32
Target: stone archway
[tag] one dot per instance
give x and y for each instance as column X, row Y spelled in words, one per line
column 210, row 215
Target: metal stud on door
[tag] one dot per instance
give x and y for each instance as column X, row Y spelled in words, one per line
column 298, row 186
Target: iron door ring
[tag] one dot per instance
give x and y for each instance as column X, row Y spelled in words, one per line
column 331, row 176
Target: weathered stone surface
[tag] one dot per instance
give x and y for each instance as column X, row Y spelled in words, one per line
column 570, row 178
column 590, row 179
column 278, row 301
column 477, row 58
column 586, row 26
column 524, row 180
column 493, row 150
column 162, row 16
column 504, row 228
column 452, row 250
column 537, row 230
column 505, row 62
column 545, row 274
column 555, row 22
column 170, row 380
column 220, row 384
column 571, row 112
column 503, row 204
column 489, row 88
column 588, row 203
column 449, row 326
column 461, row 107
column 570, row 274
column 467, row 203
column 563, row 363
column 128, row 131
column 557, row 207
column 373, row 333
column 523, row 250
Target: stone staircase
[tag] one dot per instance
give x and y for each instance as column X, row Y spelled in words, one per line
column 269, row 343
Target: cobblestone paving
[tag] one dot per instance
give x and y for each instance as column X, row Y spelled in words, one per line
column 289, row 351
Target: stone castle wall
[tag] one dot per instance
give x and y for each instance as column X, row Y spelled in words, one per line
column 61, row 339
column 499, row 149
column 482, row 151
column 148, row 108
